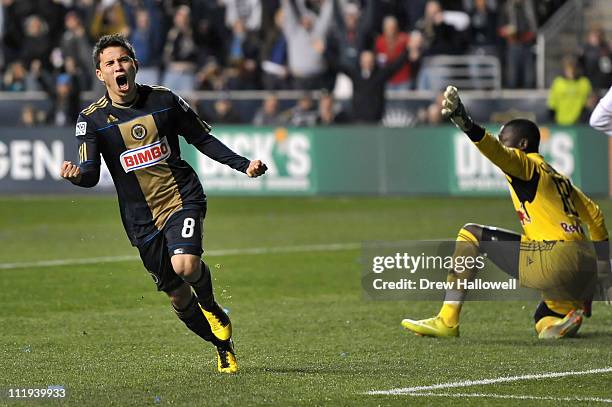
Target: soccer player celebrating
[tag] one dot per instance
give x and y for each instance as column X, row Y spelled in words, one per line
column 553, row 255
column 135, row 128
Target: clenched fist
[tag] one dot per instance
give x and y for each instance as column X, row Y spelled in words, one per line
column 256, row 168
column 70, row 172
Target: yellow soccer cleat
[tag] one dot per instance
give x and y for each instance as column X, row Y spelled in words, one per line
column 431, row 327
column 565, row 328
column 226, row 358
column 220, row 324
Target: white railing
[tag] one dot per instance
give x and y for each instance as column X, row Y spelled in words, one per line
column 464, row 71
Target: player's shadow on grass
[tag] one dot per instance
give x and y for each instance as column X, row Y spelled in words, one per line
column 531, row 340
column 348, row 370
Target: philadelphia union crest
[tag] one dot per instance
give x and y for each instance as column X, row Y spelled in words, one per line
column 139, row 131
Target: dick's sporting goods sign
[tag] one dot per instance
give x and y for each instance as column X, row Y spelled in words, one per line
column 474, row 173
column 288, row 155
column 329, row 160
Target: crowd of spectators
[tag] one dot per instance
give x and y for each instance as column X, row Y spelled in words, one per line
column 365, row 46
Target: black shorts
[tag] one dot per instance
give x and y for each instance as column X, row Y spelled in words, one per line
column 502, row 248
column 182, row 234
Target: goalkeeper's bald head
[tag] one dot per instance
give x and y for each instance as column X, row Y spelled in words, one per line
column 522, row 134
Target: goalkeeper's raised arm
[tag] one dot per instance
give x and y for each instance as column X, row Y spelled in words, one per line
column 517, row 139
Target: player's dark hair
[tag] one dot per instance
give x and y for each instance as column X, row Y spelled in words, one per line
column 523, row 128
column 112, row 40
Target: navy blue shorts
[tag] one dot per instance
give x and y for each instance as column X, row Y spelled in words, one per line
column 182, row 234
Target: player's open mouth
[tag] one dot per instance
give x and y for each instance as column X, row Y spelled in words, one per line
column 122, row 83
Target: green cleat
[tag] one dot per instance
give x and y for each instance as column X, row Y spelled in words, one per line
column 565, row 328
column 431, row 327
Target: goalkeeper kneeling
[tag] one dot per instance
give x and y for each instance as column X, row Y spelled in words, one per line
column 554, row 253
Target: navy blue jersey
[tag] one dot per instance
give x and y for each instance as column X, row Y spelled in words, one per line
column 140, row 145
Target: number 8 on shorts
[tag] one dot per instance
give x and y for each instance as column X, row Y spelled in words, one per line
column 188, row 225
column 183, row 232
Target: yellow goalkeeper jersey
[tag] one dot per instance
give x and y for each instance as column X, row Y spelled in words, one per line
column 548, row 205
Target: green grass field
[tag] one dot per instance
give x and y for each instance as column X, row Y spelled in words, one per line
column 303, row 333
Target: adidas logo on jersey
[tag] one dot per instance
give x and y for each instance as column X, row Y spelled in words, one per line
column 145, row 156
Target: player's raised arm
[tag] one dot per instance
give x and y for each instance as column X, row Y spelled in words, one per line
column 87, row 172
column 197, row 133
column 513, row 161
column 601, row 118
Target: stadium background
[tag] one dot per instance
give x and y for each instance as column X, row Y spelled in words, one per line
column 235, row 61
column 78, row 309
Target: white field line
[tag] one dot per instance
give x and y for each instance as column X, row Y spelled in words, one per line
column 510, row 396
column 222, row 252
column 484, row 382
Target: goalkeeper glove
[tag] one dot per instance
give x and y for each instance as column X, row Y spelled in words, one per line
column 453, row 109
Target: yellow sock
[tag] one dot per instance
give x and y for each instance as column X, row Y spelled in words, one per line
column 467, row 236
column 545, row 322
column 467, row 245
column 562, row 307
column 450, row 313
